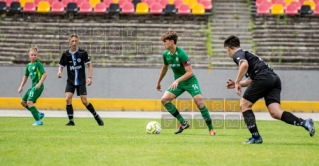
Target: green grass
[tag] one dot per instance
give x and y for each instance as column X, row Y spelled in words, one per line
column 125, row 142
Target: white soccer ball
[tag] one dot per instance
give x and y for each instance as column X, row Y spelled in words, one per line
column 153, row 127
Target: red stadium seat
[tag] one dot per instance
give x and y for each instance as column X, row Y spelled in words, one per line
column 316, row 1
column 29, row 7
column 259, row 2
column 163, row 3
column 298, row 4
column 107, row 3
column 178, row 3
column 276, row 1
column 9, row 2
column 184, row 9
column 57, row 7
column 52, row 1
column 156, row 8
column 208, row 5
column 282, row 3
column 36, row 2
column 292, row 9
column 79, row 2
column 100, row 8
column 128, row 8
column 85, row 7
column 122, row 2
column 65, row 2
column 150, row 2
column 316, row 11
column 264, row 8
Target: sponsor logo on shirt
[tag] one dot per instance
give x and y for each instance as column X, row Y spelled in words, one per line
column 75, row 67
column 79, row 60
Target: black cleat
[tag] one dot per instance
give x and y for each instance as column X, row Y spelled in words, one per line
column 253, row 140
column 71, row 123
column 308, row 125
column 182, row 127
column 99, row 120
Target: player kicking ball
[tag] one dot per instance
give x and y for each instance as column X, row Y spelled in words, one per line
column 185, row 80
column 262, row 81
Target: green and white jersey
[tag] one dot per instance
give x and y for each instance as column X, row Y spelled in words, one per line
column 178, row 61
column 35, row 71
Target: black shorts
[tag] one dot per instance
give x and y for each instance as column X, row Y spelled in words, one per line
column 80, row 89
column 266, row 84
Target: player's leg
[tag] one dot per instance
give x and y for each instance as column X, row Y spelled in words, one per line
column 166, row 100
column 69, row 91
column 33, row 96
column 25, row 99
column 272, row 100
column 81, row 90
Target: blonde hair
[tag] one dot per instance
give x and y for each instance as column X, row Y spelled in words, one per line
column 74, row 35
column 34, row 48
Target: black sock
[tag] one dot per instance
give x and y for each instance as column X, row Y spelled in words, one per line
column 69, row 110
column 250, row 120
column 91, row 109
column 291, row 119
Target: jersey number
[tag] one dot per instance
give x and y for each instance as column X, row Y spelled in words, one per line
column 31, row 94
column 195, row 87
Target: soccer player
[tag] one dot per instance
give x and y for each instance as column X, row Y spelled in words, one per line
column 185, row 80
column 35, row 70
column 74, row 60
column 262, row 81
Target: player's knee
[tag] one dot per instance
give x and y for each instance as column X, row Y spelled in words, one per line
column 199, row 104
column 24, row 103
column 244, row 106
column 165, row 101
column 84, row 101
column 30, row 104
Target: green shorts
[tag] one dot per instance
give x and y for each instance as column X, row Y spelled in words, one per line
column 192, row 88
column 32, row 94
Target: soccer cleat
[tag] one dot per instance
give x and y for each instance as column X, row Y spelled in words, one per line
column 212, row 132
column 41, row 115
column 38, row 123
column 71, row 123
column 253, row 140
column 182, row 127
column 99, row 120
column 308, row 125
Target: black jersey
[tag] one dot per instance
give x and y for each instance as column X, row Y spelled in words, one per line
column 256, row 64
column 75, row 64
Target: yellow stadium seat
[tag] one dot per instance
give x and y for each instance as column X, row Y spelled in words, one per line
column 94, row 2
column 185, row 1
column 312, row 4
column 44, row 7
column 142, row 8
column 198, row 9
column 192, row 3
column 22, row 2
column 171, row 1
column 277, row 9
column 289, row 1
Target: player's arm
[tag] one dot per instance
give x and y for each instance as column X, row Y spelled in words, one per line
column 161, row 76
column 246, row 82
column 188, row 74
column 90, row 68
column 24, row 80
column 43, row 77
column 62, row 63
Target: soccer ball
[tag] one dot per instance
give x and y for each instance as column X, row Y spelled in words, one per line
column 153, row 127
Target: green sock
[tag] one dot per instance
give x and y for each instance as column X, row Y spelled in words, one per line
column 205, row 114
column 34, row 111
column 172, row 110
column 27, row 108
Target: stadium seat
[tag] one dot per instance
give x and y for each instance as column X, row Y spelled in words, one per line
column 114, row 8
column 107, row 3
column 264, row 8
column 316, row 11
column 15, row 7
column 276, row 1
column 100, row 8
column 178, row 3
column 298, row 4
column 36, row 2
column 43, row 7
column 170, row 9
column 128, row 8
column 79, row 2
column 208, row 5
column 259, row 2
column 122, row 3
column 290, row 1
column 277, row 9
column 9, row 2
column 192, row 3
column 151, row 2
column 184, row 9
column 29, row 7
column 52, row 2
column 23, row 2
column 135, row 2
column 57, row 7
column 3, row 7
column 311, row 4
column 72, row 7
column 198, row 9
column 65, row 2
column 163, row 3
column 305, row 9
column 94, row 2
column 142, row 8
column 86, row 7
column 156, row 8
column 292, row 9
column 316, row 2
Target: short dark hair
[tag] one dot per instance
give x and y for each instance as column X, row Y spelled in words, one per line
column 232, row 41
column 170, row 35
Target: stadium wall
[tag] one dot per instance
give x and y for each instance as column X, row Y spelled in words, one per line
column 133, row 89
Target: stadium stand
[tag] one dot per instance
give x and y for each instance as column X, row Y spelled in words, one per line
column 43, row 7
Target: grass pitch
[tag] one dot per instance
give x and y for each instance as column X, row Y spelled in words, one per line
column 125, row 142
